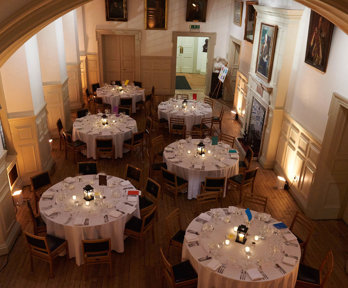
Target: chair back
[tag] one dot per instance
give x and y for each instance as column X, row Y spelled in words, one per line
column 148, row 220
column 138, row 138
column 227, row 139
column 148, row 125
column 209, row 101
column 177, row 126
column 98, row 100
column 96, row 247
column 207, row 199
column 31, row 212
column 153, row 189
column 37, row 244
column 194, row 134
column 59, row 126
column 153, row 91
column 222, row 112
column 118, row 83
column 104, row 147
column 87, row 168
column 126, row 101
column 168, row 177
column 137, row 83
column 82, row 113
column 255, row 202
column 95, row 86
column 133, row 174
column 126, row 110
column 103, row 143
column 326, row 268
column 248, row 157
column 173, row 224
column 249, row 176
column 302, row 227
column 215, row 184
column 167, row 269
column 148, row 97
column 40, row 180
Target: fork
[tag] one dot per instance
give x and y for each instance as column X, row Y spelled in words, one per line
column 221, row 269
column 265, row 277
column 291, row 244
column 241, row 275
column 290, row 256
column 106, row 218
column 280, row 268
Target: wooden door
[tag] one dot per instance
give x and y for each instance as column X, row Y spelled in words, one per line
column 185, row 55
column 127, row 58
column 233, row 65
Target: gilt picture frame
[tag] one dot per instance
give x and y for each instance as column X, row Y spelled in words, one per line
column 250, row 21
column 116, row 10
column 265, row 52
column 196, row 10
column 156, row 12
column 319, row 39
column 238, row 12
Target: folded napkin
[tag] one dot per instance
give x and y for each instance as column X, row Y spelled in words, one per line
column 197, row 166
column 51, row 211
column 289, row 261
column 125, row 183
column 69, row 180
column 114, row 213
column 254, row 274
column 175, row 160
column 289, row 237
column 234, row 156
column 169, row 149
column 205, row 216
column 126, row 208
column 132, row 198
column 106, row 133
column 220, row 165
column 79, row 220
column 214, row 264
column 191, row 237
column 48, row 195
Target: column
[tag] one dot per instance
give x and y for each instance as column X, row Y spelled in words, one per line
column 54, row 75
column 72, row 57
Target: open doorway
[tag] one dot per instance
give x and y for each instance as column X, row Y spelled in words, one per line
column 191, row 63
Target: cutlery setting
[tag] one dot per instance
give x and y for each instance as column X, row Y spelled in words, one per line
column 264, row 275
column 280, row 268
column 287, row 243
column 221, row 269
column 106, row 218
column 192, row 244
column 290, row 256
column 242, row 275
column 204, row 258
column 193, row 232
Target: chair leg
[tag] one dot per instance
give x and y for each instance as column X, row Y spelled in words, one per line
column 67, row 252
column 31, row 263
column 51, row 269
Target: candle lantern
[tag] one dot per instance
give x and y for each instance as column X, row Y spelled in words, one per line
column 184, row 104
column 201, row 148
column 241, row 234
column 88, row 193
column 104, row 120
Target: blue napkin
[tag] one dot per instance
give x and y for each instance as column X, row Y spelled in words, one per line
column 232, row 151
column 280, row 225
column 214, row 140
column 248, row 213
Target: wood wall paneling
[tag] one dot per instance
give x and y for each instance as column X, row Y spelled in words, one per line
column 74, row 85
column 93, row 70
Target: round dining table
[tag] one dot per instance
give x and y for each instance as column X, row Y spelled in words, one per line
column 192, row 114
column 272, row 260
column 90, row 128
column 182, row 159
column 69, row 216
column 112, row 94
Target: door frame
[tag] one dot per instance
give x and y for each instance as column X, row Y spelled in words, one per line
column 232, row 41
column 137, row 37
column 210, row 56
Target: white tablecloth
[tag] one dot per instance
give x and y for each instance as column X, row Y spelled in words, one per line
column 193, row 114
column 64, row 223
column 218, row 163
column 267, row 253
column 112, row 94
column 89, row 128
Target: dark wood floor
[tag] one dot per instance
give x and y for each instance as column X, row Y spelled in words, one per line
column 131, row 269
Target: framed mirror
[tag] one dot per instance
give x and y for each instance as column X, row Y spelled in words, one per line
column 250, row 21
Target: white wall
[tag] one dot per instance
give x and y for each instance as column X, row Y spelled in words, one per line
column 310, row 90
column 71, row 42
column 157, row 42
column 286, row 4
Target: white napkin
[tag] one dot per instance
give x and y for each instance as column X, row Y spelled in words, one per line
column 106, row 133
column 221, row 165
column 289, row 261
column 175, row 160
column 169, row 149
column 125, row 183
column 69, row 180
column 191, row 237
column 289, row 237
column 205, row 216
column 126, row 208
column 132, row 198
column 51, row 211
column 48, row 195
column 197, row 166
column 114, row 213
column 254, row 274
column 214, row 264
column 182, row 141
column 79, row 220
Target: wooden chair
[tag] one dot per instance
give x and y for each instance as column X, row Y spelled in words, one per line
column 81, row 113
column 309, row 277
column 177, row 126
column 39, row 183
column 150, row 196
column 218, row 120
column 174, row 230
column 303, row 228
column 99, row 106
column 205, row 127
column 157, row 146
column 46, row 248
column 87, row 168
column 246, row 163
column 242, row 181
column 39, row 225
column 179, row 275
column 173, row 184
column 74, row 146
column 182, row 96
column 214, row 184
column 138, row 228
column 209, row 101
column 126, row 105
column 228, row 139
column 255, row 202
column 148, row 130
column 60, row 129
column 133, row 174
column 153, row 166
column 90, row 98
column 95, row 86
column 135, row 142
column 138, row 83
column 104, row 148
column 206, row 200
column 117, row 82
column 97, row 252
column 194, row 134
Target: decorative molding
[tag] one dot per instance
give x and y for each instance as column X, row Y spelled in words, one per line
column 92, row 70
column 74, row 85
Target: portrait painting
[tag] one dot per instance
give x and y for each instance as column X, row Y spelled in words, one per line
column 196, row 10
column 238, row 12
column 116, row 10
column 250, row 21
column 265, row 53
column 319, row 41
column 156, row 14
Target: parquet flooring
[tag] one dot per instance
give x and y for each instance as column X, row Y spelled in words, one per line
column 131, row 269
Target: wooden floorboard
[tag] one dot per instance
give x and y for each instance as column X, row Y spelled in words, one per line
column 131, row 269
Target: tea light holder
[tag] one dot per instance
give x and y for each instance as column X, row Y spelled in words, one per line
column 188, row 151
column 227, row 242
column 74, row 197
column 235, row 229
column 88, row 193
column 247, row 249
column 256, row 238
column 184, row 104
column 104, row 120
column 241, row 234
column 87, row 203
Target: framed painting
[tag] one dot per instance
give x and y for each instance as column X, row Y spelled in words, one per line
column 319, row 41
column 156, row 14
column 116, row 10
column 265, row 52
column 196, row 10
column 238, row 12
column 250, row 21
